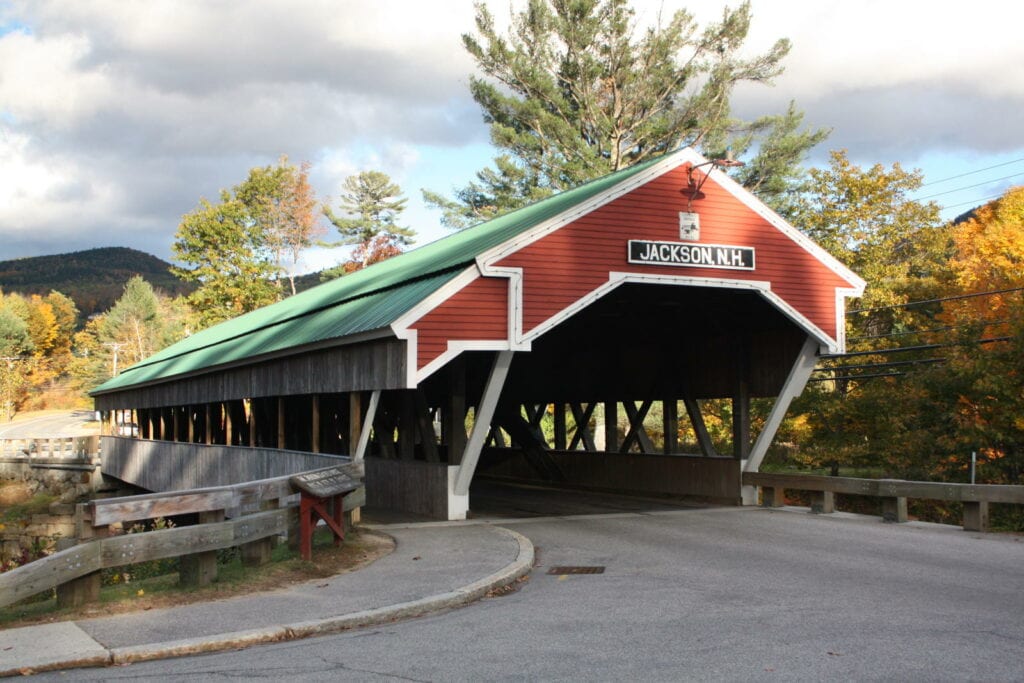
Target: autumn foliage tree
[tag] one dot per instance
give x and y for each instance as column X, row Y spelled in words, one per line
column 866, row 218
column 985, row 370
column 284, row 208
column 35, row 346
column 235, row 249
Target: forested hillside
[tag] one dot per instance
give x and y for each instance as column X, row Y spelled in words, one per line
column 93, row 279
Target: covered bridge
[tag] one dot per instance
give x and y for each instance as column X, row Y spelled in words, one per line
column 660, row 285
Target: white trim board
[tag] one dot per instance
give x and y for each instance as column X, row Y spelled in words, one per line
column 519, row 340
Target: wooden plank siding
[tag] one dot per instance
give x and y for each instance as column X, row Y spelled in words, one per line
column 566, row 265
column 168, row 466
column 479, row 311
column 372, row 365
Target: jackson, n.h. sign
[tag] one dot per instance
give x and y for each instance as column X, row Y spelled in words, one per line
column 693, row 255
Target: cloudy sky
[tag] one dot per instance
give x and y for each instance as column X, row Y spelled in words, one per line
column 116, row 116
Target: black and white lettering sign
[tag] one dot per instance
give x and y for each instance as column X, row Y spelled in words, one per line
column 692, row 255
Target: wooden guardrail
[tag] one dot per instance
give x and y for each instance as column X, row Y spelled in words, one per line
column 62, row 448
column 248, row 515
column 893, row 492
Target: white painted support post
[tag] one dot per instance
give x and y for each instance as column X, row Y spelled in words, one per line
column 793, row 386
column 482, row 422
column 364, row 435
column 795, row 383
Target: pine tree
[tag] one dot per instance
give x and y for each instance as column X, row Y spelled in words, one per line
column 371, row 203
column 577, row 90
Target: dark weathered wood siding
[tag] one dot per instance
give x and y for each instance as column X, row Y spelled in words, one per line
column 168, row 466
column 357, row 367
column 716, row 479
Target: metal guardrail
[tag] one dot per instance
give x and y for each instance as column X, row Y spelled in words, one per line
column 246, row 515
column 893, row 492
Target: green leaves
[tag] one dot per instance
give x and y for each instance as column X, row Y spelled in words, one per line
column 223, row 250
column 577, row 90
column 372, row 204
column 140, row 323
column 236, row 249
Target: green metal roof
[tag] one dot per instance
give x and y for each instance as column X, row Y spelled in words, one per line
column 364, row 301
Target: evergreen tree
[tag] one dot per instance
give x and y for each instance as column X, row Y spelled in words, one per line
column 140, row 323
column 371, row 204
column 577, row 90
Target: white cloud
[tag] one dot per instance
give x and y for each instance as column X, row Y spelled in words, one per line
column 40, row 80
column 48, row 198
column 120, row 115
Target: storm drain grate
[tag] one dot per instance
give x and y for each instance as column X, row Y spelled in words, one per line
column 576, row 570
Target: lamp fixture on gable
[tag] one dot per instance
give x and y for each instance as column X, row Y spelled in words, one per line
column 695, row 184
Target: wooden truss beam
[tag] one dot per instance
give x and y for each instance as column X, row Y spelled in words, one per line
column 670, row 425
column 535, row 451
column 699, row 427
column 355, row 403
column 637, row 434
column 581, row 415
column 425, row 428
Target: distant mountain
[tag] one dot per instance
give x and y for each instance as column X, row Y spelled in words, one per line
column 94, row 278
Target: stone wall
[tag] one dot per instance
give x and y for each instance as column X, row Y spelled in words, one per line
column 21, row 480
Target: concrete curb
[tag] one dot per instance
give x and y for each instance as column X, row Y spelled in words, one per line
column 472, row 592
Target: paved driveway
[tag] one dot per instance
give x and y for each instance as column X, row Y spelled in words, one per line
column 699, row 594
column 50, row 424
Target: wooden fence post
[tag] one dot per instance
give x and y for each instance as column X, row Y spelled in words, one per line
column 200, row 569
column 773, row 496
column 258, row 552
column 84, row 589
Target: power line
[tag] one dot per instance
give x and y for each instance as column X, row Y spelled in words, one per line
column 972, row 201
column 908, row 349
column 910, row 304
column 847, row 377
column 961, row 175
column 887, row 364
column 968, row 187
column 906, row 333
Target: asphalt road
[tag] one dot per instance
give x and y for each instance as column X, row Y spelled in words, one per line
column 50, row 424
column 731, row 594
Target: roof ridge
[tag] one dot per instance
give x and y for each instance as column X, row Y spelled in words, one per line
column 431, row 260
column 274, row 323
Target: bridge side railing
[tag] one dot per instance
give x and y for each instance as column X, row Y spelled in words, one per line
column 247, row 515
column 56, row 448
column 893, row 493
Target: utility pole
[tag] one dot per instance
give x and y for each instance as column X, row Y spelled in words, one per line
column 115, row 347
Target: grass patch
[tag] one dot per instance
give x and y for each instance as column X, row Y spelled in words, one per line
column 361, row 547
column 37, row 505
